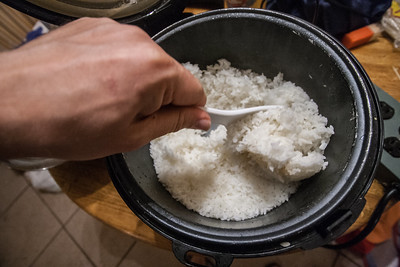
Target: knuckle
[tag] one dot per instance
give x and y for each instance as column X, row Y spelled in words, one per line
column 179, row 122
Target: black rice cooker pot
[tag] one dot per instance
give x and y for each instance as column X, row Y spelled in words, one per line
column 151, row 15
column 324, row 205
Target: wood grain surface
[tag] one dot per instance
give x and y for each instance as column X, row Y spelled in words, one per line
column 90, row 187
column 382, row 64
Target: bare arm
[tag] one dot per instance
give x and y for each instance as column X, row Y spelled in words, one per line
column 93, row 88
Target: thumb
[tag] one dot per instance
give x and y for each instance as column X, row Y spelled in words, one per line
column 171, row 119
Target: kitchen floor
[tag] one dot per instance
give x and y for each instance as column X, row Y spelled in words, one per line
column 48, row 229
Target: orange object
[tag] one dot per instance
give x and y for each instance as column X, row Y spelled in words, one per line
column 383, row 230
column 361, row 36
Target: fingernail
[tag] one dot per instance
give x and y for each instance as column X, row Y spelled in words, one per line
column 203, row 124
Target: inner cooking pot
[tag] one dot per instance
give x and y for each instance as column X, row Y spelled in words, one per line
column 326, row 204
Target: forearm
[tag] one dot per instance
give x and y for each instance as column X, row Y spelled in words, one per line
column 11, row 115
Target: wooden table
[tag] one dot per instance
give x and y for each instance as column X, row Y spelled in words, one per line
column 90, row 187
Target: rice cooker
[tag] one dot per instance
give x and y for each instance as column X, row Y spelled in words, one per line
column 324, row 205
column 267, row 42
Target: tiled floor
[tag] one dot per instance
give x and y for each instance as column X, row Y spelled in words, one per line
column 45, row 229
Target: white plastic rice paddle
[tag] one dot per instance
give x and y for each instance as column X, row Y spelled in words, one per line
column 220, row 116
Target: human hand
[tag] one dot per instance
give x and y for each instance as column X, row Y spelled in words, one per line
column 90, row 89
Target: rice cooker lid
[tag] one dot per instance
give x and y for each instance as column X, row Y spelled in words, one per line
column 59, row 12
column 103, row 8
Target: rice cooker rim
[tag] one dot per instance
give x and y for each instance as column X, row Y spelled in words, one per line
column 234, row 241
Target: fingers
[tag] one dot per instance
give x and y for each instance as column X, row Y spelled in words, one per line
column 163, row 81
column 187, row 90
column 166, row 120
column 93, row 31
column 83, row 25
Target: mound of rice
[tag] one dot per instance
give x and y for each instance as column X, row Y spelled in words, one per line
column 253, row 165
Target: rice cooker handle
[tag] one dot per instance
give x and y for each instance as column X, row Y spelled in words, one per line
column 187, row 255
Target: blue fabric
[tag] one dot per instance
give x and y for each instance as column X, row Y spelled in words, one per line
column 34, row 34
column 337, row 17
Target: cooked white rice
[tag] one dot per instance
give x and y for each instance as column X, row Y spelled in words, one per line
column 254, row 164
